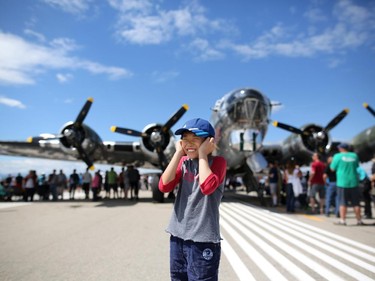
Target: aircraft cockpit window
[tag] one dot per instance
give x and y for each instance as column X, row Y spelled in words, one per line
column 247, row 110
column 250, row 111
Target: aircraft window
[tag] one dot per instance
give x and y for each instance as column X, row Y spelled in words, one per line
column 231, row 98
column 251, row 111
column 246, row 110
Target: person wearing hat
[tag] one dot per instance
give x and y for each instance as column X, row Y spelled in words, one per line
column 195, row 248
column 346, row 163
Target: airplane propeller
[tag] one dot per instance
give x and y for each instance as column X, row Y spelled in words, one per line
column 75, row 134
column 369, row 108
column 129, row 132
column 83, row 113
column 72, row 135
column 336, row 120
column 156, row 138
column 313, row 136
column 287, row 128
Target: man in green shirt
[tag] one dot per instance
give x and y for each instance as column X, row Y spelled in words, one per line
column 345, row 163
column 112, row 183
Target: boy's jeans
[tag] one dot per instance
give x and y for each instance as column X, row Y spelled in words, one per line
column 193, row 260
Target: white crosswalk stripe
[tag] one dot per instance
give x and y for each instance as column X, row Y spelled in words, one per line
column 277, row 247
column 6, row 205
column 241, row 270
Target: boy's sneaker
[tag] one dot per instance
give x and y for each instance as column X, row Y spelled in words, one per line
column 360, row 223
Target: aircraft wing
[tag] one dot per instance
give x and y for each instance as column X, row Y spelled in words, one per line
column 117, row 153
column 27, row 149
column 77, row 141
column 122, row 153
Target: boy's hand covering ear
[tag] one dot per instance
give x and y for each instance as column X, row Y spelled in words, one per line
column 207, row 147
column 179, row 148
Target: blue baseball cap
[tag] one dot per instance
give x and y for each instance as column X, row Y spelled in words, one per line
column 198, row 126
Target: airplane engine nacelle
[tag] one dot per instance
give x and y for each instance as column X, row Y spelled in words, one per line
column 155, row 139
column 301, row 147
column 364, row 143
column 88, row 139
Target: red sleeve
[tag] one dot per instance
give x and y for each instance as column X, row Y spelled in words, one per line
column 218, row 168
column 171, row 185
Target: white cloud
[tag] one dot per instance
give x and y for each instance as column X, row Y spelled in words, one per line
column 352, row 14
column 315, row 15
column 143, row 22
column 64, row 78
column 11, row 102
column 40, row 37
column 333, row 63
column 21, row 61
column 147, row 30
column 203, row 51
column 352, row 26
column 161, row 77
column 68, row 101
column 113, row 72
column 140, row 6
column 64, row 45
column 10, row 76
column 70, row 6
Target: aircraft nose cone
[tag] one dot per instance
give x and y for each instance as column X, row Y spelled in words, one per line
column 68, row 133
column 320, row 136
column 156, row 137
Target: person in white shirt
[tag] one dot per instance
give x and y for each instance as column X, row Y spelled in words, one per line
column 86, row 182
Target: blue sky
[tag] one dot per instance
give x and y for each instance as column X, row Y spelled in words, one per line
column 141, row 60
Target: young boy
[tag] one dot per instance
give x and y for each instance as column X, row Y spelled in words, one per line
column 194, row 225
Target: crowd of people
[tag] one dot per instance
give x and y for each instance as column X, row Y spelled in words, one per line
column 100, row 185
column 319, row 190
column 328, row 187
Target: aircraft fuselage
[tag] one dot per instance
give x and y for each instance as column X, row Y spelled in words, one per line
column 241, row 120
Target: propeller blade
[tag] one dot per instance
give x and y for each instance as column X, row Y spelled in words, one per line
column 175, row 117
column 157, row 137
column 85, row 157
column 287, row 127
column 369, row 108
column 336, row 120
column 129, row 132
column 83, row 113
column 162, row 159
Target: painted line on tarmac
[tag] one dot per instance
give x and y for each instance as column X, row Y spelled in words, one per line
column 252, row 223
column 238, row 266
column 6, row 205
column 314, row 218
column 303, row 239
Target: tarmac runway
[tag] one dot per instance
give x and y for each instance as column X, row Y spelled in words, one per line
column 125, row 240
column 83, row 240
